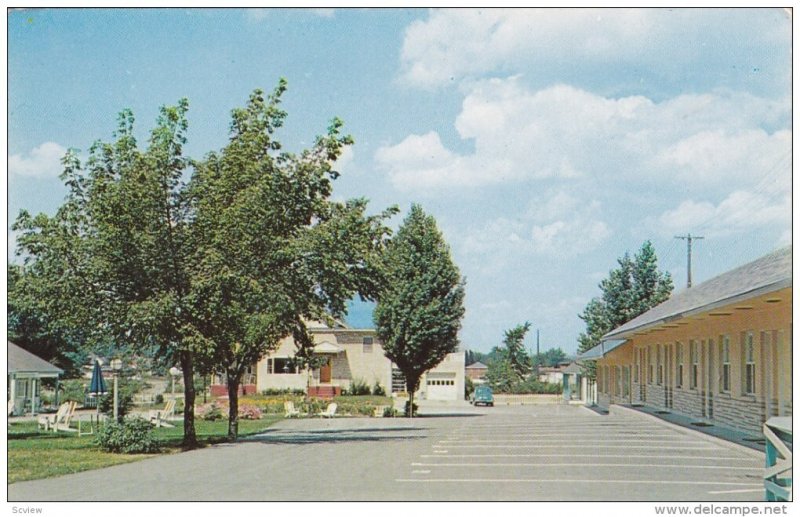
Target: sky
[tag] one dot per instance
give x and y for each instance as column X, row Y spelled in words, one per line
column 546, row 143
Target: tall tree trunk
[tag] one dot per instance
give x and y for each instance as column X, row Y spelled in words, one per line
column 412, row 387
column 189, row 433
column 233, row 411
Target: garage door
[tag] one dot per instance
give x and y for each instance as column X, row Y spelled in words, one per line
column 441, row 386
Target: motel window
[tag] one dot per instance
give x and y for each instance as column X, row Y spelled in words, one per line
column 367, row 345
column 750, row 365
column 694, row 375
column 725, row 360
column 679, row 362
column 659, row 367
column 626, row 372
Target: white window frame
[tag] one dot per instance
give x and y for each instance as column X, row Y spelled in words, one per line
column 749, row 364
column 725, row 361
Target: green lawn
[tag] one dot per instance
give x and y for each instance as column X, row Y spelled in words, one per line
column 37, row 455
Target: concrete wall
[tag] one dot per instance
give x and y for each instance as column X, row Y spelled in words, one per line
column 654, row 361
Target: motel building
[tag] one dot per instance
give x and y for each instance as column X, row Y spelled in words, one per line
column 719, row 352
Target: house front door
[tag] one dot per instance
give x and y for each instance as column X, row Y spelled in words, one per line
column 325, row 372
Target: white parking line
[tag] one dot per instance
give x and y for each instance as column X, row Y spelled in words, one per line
column 591, row 445
column 744, row 491
column 563, row 439
column 421, row 472
column 720, row 467
column 561, row 455
column 596, row 481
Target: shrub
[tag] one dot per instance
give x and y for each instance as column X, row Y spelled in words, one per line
column 358, row 387
column 159, row 398
column 389, row 412
column 72, row 389
column 405, row 410
column 378, row 390
column 284, row 391
column 209, row 412
column 469, row 387
column 132, row 436
column 249, row 412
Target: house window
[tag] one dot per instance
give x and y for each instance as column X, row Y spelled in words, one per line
column 694, row 352
column 367, row 345
column 636, row 367
column 725, row 360
column 618, row 383
column 679, row 362
column 280, row 365
column 750, row 365
column 607, row 380
column 649, row 365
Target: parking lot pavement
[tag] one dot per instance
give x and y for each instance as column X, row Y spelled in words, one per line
column 513, row 453
column 567, row 453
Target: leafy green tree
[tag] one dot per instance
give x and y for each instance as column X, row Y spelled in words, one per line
column 631, row 289
column 271, row 249
column 550, row 358
column 509, row 364
column 419, row 310
column 112, row 262
column 513, row 340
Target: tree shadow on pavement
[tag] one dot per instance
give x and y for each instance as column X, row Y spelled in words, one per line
column 337, row 435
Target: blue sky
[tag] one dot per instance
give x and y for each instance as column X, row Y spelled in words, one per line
column 545, row 142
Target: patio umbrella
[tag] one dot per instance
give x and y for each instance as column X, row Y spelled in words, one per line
column 97, row 387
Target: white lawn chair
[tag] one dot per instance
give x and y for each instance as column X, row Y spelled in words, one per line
column 329, row 412
column 60, row 421
column 290, row 410
column 158, row 417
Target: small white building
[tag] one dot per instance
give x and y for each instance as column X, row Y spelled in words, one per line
column 25, row 372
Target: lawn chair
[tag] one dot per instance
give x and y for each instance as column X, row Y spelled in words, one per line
column 159, row 416
column 329, row 412
column 60, row 421
column 291, row 411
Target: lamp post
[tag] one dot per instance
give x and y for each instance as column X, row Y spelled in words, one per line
column 116, row 366
column 174, row 372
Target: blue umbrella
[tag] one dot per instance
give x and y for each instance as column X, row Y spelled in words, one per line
column 97, row 387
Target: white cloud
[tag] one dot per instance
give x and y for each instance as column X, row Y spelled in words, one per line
column 739, row 212
column 345, row 159
column 454, row 43
column 562, row 132
column 43, row 161
column 557, row 225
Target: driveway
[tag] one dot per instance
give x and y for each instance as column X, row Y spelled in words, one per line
column 512, row 453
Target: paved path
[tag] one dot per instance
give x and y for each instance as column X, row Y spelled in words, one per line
column 514, row 453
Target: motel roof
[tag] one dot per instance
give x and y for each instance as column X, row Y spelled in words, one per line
column 767, row 274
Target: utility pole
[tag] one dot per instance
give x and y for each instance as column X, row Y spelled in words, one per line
column 538, row 357
column 689, row 237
